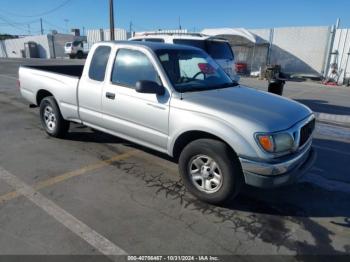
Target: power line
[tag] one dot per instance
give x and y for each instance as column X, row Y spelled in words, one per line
column 40, row 14
column 8, row 22
column 21, row 23
column 22, row 27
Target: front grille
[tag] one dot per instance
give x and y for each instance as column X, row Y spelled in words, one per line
column 306, row 131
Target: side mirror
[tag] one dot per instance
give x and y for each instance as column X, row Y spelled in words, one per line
column 149, row 87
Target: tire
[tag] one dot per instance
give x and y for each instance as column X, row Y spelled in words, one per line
column 80, row 55
column 51, row 118
column 205, row 184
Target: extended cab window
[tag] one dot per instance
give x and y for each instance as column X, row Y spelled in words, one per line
column 98, row 64
column 131, row 66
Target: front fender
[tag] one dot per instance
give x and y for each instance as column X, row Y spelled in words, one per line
column 182, row 121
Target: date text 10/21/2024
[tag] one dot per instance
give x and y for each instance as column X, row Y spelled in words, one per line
column 203, row 258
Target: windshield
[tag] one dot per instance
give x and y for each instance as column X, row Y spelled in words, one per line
column 192, row 70
column 68, row 44
column 216, row 49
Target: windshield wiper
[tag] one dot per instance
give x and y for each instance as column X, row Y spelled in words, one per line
column 225, row 85
column 206, row 88
column 230, row 84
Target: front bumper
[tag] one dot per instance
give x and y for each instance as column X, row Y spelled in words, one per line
column 269, row 175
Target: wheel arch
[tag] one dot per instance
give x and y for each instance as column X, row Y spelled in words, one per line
column 41, row 94
column 189, row 136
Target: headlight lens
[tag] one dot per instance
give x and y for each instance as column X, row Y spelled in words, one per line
column 276, row 143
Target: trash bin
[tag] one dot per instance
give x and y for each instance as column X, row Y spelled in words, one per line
column 272, row 71
column 276, row 86
column 31, row 50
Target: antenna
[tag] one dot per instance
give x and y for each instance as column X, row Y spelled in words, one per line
column 130, row 28
column 41, row 26
column 180, row 23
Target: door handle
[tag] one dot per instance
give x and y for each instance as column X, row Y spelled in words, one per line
column 110, row 95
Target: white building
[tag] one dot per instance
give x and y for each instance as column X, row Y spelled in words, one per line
column 48, row 46
column 322, row 51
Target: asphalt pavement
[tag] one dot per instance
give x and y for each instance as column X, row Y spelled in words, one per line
column 92, row 193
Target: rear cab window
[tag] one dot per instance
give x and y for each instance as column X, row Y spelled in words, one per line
column 98, row 63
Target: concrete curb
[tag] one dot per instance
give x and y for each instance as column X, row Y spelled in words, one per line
column 341, row 119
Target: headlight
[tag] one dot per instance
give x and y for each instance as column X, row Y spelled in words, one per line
column 275, row 143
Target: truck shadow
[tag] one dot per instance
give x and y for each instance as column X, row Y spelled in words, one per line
column 271, row 216
column 323, row 106
column 302, row 199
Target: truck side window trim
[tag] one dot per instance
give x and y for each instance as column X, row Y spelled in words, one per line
column 114, row 70
column 99, row 62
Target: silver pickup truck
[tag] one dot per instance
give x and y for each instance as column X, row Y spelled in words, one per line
column 177, row 100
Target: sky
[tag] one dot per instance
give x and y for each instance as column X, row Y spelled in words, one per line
column 23, row 16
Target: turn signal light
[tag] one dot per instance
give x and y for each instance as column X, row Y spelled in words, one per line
column 266, row 142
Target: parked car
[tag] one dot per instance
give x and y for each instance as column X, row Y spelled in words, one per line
column 217, row 48
column 177, row 100
column 76, row 49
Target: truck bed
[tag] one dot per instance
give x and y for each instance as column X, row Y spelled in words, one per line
column 60, row 81
column 70, row 70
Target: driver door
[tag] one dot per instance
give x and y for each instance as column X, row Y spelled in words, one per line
column 139, row 117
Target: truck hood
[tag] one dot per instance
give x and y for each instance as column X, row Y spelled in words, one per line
column 246, row 107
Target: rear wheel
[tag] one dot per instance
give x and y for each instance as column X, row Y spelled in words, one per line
column 51, row 118
column 211, row 171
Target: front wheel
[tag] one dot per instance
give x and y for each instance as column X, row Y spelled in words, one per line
column 51, row 118
column 80, row 55
column 211, row 171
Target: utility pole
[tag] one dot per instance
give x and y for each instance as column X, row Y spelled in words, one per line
column 111, row 19
column 66, row 21
column 29, row 33
column 41, row 26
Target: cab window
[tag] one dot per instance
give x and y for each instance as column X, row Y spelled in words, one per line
column 99, row 62
column 131, row 66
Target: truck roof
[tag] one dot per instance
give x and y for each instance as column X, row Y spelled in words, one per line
column 172, row 36
column 154, row 46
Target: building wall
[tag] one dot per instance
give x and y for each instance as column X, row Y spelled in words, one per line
column 49, row 46
column 298, row 49
column 340, row 56
column 98, row 35
column 60, row 41
column 12, row 47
